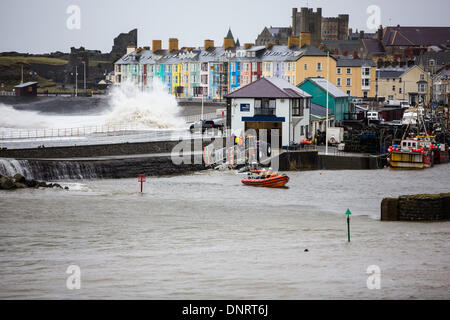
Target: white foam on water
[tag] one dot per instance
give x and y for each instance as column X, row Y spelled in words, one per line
column 149, row 108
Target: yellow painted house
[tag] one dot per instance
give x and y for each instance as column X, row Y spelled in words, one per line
column 356, row 77
column 412, row 85
column 176, row 77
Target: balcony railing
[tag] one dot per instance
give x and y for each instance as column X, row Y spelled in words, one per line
column 264, row 111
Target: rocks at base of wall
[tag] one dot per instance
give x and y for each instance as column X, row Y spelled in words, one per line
column 20, row 182
column 6, row 183
column 419, row 207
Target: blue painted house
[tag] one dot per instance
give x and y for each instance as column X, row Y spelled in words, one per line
column 234, row 75
column 338, row 100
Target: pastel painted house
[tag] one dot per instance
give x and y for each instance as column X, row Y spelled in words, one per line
column 270, row 104
column 338, row 100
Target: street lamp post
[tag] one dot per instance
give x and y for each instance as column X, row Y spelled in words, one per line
column 84, row 73
column 76, row 80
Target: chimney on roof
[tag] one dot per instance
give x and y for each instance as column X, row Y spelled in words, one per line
column 131, row 48
column 248, row 45
column 305, row 39
column 228, row 43
column 269, row 45
column 293, row 42
column 156, row 45
column 173, row 44
column 380, row 33
column 208, row 44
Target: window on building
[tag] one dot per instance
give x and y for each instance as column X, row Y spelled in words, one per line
column 400, row 90
column 319, row 66
column 288, row 66
column 306, row 66
column 349, row 82
column 297, row 107
column 366, row 71
column 204, row 79
column 390, row 97
column 119, row 67
column 393, row 88
column 302, row 130
column 338, row 82
column 349, row 70
column 422, row 87
column 422, row 77
column 366, row 94
column 365, row 82
column 293, row 66
column 349, row 92
column 339, row 71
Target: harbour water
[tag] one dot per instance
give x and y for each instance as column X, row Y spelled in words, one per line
column 206, row 236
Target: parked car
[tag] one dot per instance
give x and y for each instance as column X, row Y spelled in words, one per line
column 204, row 125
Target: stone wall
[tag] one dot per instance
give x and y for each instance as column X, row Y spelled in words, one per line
column 420, row 207
column 92, row 151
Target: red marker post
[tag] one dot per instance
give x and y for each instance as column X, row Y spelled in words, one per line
column 141, row 180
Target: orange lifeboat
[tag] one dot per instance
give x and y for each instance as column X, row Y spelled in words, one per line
column 274, row 181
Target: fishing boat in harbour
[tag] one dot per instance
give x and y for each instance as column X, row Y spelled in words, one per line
column 415, row 153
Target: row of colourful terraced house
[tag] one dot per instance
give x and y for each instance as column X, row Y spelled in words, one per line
column 213, row 72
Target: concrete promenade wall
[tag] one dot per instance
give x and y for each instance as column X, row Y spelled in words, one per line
column 420, row 207
column 91, row 151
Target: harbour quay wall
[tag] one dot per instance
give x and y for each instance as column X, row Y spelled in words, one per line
column 311, row 160
column 419, row 207
column 54, row 170
column 100, row 150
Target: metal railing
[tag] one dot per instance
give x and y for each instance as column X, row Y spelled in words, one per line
column 10, row 134
column 7, row 93
column 198, row 117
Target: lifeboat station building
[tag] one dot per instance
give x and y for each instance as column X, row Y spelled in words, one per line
column 270, row 103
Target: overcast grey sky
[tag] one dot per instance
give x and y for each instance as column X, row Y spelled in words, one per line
column 40, row 26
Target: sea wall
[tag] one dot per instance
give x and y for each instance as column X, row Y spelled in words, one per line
column 101, row 150
column 52, row 170
column 311, row 160
column 420, row 207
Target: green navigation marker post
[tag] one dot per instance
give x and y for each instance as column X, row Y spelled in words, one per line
column 348, row 213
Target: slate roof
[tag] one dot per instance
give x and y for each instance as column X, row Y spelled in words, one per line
column 440, row 58
column 320, row 111
column 332, row 89
column 269, row 88
column 216, row 54
column 355, row 63
column 416, row 36
column 343, row 45
column 389, row 74
column 373, row 46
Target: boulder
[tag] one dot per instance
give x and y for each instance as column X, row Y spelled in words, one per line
column 20, row 185
column 31, row 183
column 42, row 184
column 6, row 183
column 19, row 178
